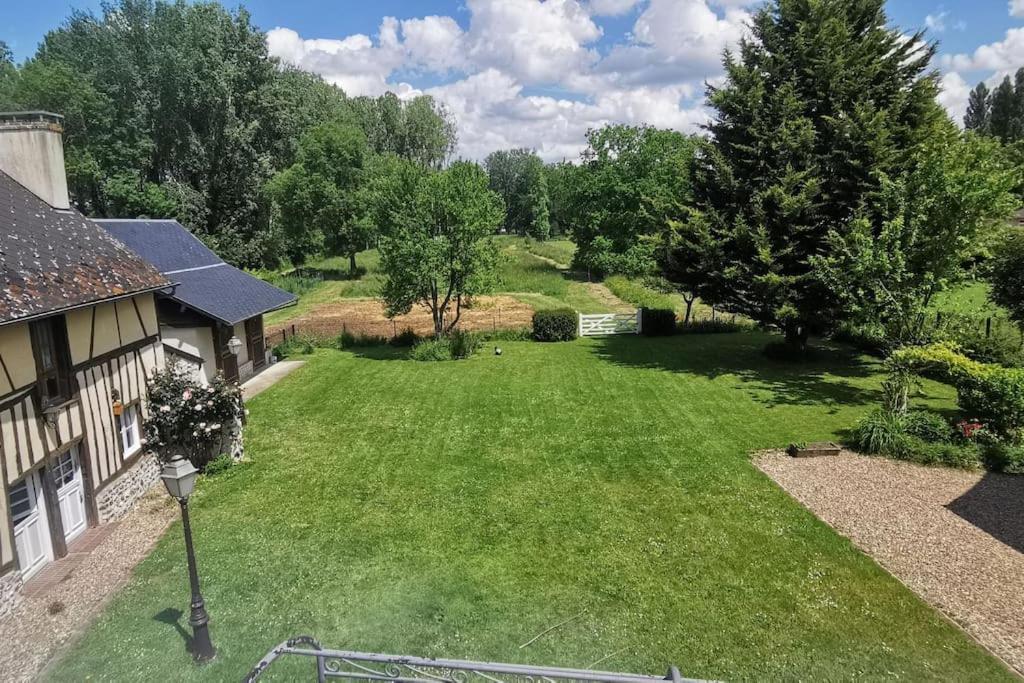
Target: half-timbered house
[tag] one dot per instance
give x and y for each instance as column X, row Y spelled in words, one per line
column 78, row 338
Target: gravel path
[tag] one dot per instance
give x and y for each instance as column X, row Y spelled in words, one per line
column 955, row 538
column 31, row 635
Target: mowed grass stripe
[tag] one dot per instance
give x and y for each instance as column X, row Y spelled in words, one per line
column 458, row 509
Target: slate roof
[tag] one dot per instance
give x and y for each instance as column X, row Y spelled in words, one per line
column 52, row 260
column 205, row 283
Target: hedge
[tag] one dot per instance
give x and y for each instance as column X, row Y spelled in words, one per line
column 555, row 325
column 657, row 322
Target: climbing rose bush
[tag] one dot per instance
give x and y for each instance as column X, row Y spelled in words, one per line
column 189, row 418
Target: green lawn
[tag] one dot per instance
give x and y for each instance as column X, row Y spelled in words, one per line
column 459, row 509
column 560, row 251
column 970, row 298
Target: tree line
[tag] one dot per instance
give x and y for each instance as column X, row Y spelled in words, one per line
column 177, row 110
column 830, row 187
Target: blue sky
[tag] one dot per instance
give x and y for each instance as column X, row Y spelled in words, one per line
column 538, row 74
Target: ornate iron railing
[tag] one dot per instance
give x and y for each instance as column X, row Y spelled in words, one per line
column 363, row 666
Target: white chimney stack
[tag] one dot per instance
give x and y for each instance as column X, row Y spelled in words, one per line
column 32, row 152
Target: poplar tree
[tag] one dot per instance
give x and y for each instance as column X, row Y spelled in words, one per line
column 978, row 109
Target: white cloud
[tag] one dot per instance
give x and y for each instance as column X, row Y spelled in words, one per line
column 936, row 22
column 526, row 73
column 1003, row 55
column 1017, row 8
column 434, row 43
column 612, row 8
column 536, row 42
column 955, row 91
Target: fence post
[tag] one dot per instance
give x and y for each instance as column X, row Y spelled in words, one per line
column 579, row 324
column 639, row 319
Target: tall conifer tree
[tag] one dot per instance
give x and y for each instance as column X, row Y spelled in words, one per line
column 821, row 103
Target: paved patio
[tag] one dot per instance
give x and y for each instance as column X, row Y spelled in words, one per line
column 955, row 538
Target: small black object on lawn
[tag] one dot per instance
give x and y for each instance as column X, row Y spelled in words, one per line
column 497, row 350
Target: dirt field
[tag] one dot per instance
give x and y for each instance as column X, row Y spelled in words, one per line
column 366, row 316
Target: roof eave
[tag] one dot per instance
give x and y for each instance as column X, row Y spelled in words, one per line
column 95, row 302
column 231, row 323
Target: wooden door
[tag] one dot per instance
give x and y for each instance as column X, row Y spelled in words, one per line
column 254, row 338
column 227, row 361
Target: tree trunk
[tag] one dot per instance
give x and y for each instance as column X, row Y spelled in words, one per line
column 797, row 335
column 689, row 308
column 352, row 263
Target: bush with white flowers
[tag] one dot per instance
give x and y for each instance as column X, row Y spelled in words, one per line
column 189, row 418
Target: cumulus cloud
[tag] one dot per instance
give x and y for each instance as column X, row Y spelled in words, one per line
column 1002, row 55
column 500, row 68
column 611, row 8
column 1017, row 8
column 955, row 91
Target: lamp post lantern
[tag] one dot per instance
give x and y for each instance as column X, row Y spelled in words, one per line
column 234, row 345
column 179, row 476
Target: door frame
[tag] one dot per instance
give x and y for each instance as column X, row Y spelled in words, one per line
column 79, row 477
column 35, row 480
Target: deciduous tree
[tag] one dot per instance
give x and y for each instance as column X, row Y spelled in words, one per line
column 927, row 225
column 319, row 197
column 438, row 252
column 518, row 176
column 628, row 186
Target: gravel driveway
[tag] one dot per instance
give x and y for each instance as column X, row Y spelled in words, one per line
column 955, row 538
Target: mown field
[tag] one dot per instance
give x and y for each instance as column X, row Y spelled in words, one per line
column 536, row 273
column 459, row 509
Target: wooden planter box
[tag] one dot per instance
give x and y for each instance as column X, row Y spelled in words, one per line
column 814, row 450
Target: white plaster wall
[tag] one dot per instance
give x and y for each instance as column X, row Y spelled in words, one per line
column 35, row 158
column 243, row 355
column 197, row 341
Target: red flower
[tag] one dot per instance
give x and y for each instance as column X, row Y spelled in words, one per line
column 970, row 428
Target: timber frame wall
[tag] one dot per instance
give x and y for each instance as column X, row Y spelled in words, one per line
column 114, row 347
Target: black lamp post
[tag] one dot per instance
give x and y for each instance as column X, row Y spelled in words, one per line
column 179, row 477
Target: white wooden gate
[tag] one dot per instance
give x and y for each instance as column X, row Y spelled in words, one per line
column 603, row 324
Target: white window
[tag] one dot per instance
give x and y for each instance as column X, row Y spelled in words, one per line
column 128, row 426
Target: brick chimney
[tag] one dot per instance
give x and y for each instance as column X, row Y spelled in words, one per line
column 32, row 152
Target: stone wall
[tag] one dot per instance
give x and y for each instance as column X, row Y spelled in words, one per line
column 10, row 592
column 115, row 500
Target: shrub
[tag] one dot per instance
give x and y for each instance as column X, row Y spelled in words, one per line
column 867, row 339
column 348, row 340
column 717, row 326
column 962, row 455
column 995, row 397
column 928, row 426
column 431, row 350
column 555, row 325
column 657, row 322
column 999, row 456
column 463, row 344
column 406, row 338
column 294, row 346
column 189, row 418
column 909, row 437
column 221, row 463
column 881, row 432
column 507, row 335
